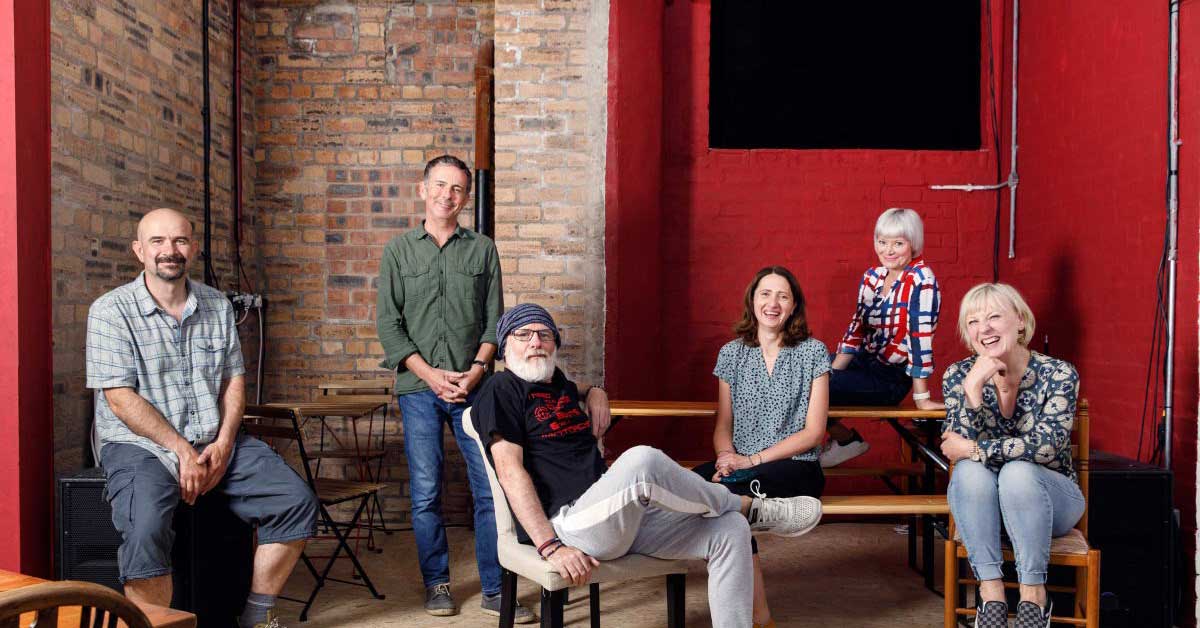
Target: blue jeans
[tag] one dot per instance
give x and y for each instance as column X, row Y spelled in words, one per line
column 424, row 415
column 1035, row 504
column 868, row 382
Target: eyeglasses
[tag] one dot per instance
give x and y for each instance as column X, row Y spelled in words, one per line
column 525, row 335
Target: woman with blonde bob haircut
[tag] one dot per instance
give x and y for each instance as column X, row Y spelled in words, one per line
column 1009, row 415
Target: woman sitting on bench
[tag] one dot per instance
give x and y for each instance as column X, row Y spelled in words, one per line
column 772, row 395
column 1009, row 414
column 888, row 348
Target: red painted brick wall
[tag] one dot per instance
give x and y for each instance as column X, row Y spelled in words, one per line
column 726, row 213
column 1091, row 211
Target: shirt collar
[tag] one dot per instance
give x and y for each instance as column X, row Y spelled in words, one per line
column 459, row 231
column 146, row 303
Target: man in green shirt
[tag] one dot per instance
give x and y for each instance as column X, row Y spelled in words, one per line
column 439, row 301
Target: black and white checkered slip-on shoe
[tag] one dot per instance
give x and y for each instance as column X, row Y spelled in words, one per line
column 1030, row 615
column 992, row 615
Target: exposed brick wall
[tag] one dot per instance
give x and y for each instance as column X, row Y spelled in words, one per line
column 126, row 137
column 551, row 128
column 352, row 99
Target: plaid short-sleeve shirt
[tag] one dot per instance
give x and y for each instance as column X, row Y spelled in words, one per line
column 177, row 366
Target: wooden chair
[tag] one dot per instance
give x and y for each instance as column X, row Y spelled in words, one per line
column 100, row 607
column 519, row 559
column 1071, row 550
column 272, row 424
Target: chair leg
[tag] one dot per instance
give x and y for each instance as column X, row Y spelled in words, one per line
column 508, row 598
column 358, row 568
column 552, row 609
column 950, row 584
column 1093, row 589
column 594, row 604
column 676, row 597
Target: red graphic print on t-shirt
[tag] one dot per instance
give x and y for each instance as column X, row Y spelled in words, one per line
column 559, row 416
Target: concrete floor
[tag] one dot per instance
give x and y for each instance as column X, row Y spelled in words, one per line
column 841, row 574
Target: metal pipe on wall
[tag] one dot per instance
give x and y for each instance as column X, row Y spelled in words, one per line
column 1011, row 182
column 206, row 117
column 1012, row 164
column 1172, row 226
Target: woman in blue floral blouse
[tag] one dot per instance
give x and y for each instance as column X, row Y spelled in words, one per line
column 1009, row 415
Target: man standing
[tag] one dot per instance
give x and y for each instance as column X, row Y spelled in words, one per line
column 574, row 511
column 439, row 300
column 164, row 358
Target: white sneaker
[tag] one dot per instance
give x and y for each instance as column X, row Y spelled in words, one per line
column 836, row 453
column 783, row 516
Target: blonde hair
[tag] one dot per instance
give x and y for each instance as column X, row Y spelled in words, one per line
column 1000, row 294
column 905, row 223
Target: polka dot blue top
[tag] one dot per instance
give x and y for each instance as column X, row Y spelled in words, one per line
column 768, row 408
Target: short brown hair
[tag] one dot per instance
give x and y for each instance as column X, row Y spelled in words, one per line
column 795, row 329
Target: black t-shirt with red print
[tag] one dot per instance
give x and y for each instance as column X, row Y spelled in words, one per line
column 548, row 422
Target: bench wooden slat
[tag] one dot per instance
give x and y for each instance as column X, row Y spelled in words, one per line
column 885, row 505
column 628, row 408
column 845, row 472
column 869, row 472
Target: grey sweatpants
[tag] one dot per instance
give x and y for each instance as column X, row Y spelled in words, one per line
column 648, row 504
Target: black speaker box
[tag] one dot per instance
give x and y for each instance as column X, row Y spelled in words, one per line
column 212, row 557
column 1131, row 522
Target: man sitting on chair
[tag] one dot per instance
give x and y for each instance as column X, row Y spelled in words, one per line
column 576, row 513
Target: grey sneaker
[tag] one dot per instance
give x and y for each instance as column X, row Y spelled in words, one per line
column 439, row 602
column 491, row 606
column 992, row 615
column 783, row 516
column 1030, row 615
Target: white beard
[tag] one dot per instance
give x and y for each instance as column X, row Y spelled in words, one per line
column 532, row 370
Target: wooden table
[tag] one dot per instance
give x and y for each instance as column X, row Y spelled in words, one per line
column 159, row 616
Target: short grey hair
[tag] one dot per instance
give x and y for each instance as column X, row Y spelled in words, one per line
column 899, row 221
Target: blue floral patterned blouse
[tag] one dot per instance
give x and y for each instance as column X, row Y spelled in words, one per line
column 769, row 408
column 1040, row 428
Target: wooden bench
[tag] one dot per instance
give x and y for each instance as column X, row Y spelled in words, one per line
column 917, row 507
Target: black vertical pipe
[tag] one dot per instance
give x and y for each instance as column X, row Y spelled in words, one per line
column 235, row 184
column 484, row 220
column 206, row 116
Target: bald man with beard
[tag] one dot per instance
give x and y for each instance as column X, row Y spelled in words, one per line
column 164, row 358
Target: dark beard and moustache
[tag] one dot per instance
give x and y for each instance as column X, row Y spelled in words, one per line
column 168, row 259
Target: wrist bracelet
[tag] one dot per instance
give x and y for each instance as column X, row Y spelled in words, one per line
column 921, row 396
column 551, row 552
column 541, row 548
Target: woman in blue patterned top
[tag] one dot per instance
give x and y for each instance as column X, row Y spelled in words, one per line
column 1009, row 415
column 773, row 392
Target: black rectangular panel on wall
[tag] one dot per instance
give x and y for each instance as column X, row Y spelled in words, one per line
column 882, row 74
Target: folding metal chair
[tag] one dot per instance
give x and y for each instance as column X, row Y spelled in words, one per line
column 271, row 424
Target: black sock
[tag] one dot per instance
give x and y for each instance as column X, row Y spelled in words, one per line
column 854, row 435
column 255, row 612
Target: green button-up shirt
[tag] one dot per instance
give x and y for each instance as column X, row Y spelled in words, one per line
column 440, row 302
